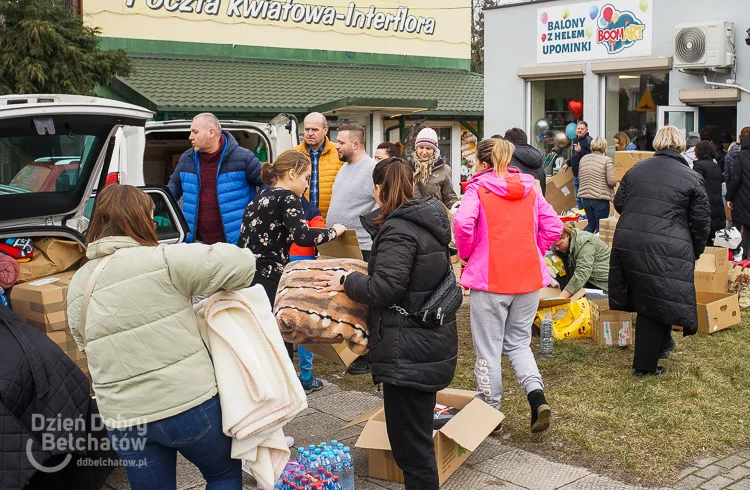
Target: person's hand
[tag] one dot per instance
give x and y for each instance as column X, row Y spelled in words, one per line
column 565, row 167
column 577, row 147
column 330, row 281
column 565, row 294
column 729, row 203
column 340, row 229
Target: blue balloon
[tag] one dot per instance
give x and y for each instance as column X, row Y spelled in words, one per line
column 594, row 12
column 570, row 131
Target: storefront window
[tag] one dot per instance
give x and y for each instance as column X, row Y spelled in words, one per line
column 632, row 102
column 554, row 105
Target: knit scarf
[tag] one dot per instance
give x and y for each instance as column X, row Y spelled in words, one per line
column 423, row 168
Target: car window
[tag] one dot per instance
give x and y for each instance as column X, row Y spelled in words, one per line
column 39, row 163
column 166, row 228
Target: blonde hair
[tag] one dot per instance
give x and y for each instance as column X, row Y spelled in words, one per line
column 669, row 137
column 502, row 153
column 484, row 150
column 599, row 145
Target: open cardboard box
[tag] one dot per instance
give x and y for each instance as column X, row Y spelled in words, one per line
column 712, row 271
column 551, row 297
column 560, row 193
column 454, row 442
column 625, row 160
column 344, row 247
column 717, row 311
column 337, row 353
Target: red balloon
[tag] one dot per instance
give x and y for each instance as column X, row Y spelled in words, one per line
column 607, row 13
column 576, row 107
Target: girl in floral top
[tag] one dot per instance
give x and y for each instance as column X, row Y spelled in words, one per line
column 275, row 219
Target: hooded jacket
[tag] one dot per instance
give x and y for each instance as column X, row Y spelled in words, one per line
column 236, row 185
column 738, row 190
column 145, row 353
column 662, row 231
column 409, row 259
column 528, row 160
column 504, row 228
column 439, row 186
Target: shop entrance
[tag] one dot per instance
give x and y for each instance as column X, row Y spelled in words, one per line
column 717, row 122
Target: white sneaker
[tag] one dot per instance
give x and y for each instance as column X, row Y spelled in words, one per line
column 289, row 441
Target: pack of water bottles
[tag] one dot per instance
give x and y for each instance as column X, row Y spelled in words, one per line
column 327, row 466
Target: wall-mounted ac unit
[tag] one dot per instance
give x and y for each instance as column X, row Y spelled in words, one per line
column 704, row 45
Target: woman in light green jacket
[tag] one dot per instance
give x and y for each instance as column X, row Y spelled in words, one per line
column 152, row 374
column 587, row 259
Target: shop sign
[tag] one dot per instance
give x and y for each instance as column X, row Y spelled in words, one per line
column 594, row 31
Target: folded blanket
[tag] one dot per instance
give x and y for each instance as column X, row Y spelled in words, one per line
column 9, row 270
column 258, row 387
column 305, row 315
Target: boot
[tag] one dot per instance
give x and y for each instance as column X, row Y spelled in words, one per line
column 540, row 412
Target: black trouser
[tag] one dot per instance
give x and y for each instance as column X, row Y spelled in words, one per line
column 409, row 417
column 651, row 339
column 270, row 286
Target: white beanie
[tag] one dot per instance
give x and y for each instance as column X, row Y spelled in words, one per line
column 427, row 137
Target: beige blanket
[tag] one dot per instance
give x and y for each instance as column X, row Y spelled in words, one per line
column 258, row 386
column 305, row 315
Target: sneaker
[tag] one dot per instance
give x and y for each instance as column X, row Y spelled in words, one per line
column 360, row 366
column 311, row 385
column 289, row 441
column 642, row 374
column 540, row 412
column 668, row 351
column 498, row 430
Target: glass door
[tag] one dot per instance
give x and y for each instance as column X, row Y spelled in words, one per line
column 683, row 117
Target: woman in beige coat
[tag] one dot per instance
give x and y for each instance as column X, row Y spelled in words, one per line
column 432, row 177
column 597, row 175
column 152, row 375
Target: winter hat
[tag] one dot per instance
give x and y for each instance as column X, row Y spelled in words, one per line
column 692, row 139
column 427, row 137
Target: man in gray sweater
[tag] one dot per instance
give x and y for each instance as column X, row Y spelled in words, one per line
column 353, row 195
column 353, row 190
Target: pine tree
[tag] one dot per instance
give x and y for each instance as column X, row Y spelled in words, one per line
column 45, row 49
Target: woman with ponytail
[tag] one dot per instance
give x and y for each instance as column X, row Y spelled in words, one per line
column 275, row 219
column 412, row 358
column 503, row 229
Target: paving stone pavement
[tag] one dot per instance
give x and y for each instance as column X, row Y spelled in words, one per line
column 493, row 466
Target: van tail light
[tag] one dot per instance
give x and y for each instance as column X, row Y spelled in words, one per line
column 112, row 178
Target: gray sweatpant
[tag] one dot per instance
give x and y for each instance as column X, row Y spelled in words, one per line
column 501, row 324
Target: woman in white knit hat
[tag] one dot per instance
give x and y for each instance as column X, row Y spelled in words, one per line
column 432, row 177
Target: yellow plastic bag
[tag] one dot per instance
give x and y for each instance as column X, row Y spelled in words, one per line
column 569, row 321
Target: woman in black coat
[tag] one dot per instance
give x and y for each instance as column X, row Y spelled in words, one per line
column 713, row 179
column 738, row 194
column 662, row 230
column 412, row 358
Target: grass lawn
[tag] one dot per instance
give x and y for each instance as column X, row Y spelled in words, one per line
column 640, row 431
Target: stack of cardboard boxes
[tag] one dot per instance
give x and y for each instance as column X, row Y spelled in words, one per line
column 607, row 230
column 717, row 308
column 43, row 304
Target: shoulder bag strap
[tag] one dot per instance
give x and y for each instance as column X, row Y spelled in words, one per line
column 87, row 294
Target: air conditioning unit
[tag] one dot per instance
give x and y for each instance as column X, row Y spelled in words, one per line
column 704, row 46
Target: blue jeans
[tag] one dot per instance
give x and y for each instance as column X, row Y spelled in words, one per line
column 596, row 209
column 305, row 363
column 576, row 185
column 150, row 451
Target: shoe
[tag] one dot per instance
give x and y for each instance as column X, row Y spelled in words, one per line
column 289, row 441
column 541, row 414
column 311, row 385
column 642, row 374
column 360, row 366
column 668, row 351
column 498, row 430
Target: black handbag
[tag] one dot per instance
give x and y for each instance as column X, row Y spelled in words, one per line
column 444, row 301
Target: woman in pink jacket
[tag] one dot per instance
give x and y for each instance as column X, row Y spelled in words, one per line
column 503, row 229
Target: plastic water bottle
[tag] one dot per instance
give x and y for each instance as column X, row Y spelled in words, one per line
column 334, row 445
column 337, row 484
column 545, row 340
column 347, row 472
column 300, row 455
column 336, row 463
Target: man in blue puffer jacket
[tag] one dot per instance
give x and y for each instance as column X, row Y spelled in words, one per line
column 216, row 178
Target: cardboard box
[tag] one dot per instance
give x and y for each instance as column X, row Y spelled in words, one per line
column 712, row 271
column 549, row 297
column 609, row 327
column 560, row 192
column 607, row 229
column 337, row 353
column 344, row 247
column 717, row 311
column 581, row 224
column 625, row 160
column 454, row 442
column 43, row 303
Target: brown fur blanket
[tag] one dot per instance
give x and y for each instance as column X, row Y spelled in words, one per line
column 305, row 315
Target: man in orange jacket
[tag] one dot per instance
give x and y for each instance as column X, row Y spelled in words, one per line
column 324, row 158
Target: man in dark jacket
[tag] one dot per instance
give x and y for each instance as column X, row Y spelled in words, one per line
column 581, row 148
column 526, row 158
column 39, row 384
column 662, row 231
column 216, row 178
column 738, row 194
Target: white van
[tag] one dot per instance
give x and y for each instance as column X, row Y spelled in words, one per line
column 53, row 149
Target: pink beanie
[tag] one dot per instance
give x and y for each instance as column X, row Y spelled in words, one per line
column 427, row 137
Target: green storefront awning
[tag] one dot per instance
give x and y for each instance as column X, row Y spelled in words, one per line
column 189, row 84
